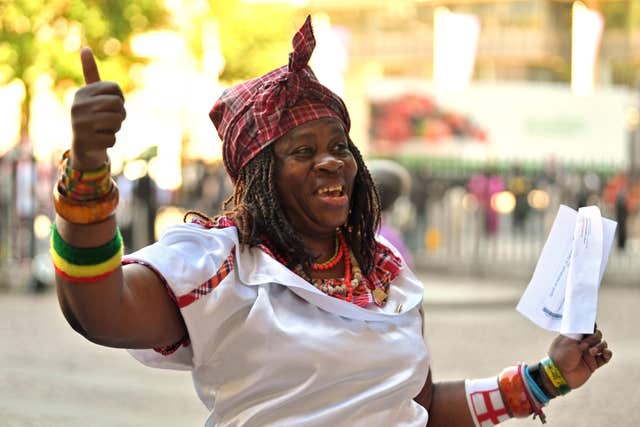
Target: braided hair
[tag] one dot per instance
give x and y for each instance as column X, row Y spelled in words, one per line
column 256, row 210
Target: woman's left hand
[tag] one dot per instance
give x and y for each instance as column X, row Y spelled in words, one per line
column 577, row 360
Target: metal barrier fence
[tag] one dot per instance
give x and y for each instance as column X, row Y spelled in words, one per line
column 457, row 231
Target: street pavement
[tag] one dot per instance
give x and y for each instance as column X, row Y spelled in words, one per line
column 50, row 376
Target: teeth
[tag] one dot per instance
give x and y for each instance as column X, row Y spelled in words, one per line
column 330, row 189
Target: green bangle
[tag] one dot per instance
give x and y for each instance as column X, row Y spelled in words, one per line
column 555, row 376
column 85, row 256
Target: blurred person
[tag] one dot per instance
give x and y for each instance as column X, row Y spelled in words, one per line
column 6, row 196
column 392, row 181
column 520, row 185
column 571, row 183
column 145, row 204
column 622, row 194
column 453, row 219
column 126, row 209
column 483, row 186
column 26, row 203
column 286, row 309
column 550, row 184
column 419, row 197
column 214, row 190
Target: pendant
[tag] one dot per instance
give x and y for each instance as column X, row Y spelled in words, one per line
column 379, row 295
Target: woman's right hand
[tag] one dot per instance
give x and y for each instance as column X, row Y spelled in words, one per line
column 97, row 114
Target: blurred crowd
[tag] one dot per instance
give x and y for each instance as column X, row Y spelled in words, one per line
column 513, row 200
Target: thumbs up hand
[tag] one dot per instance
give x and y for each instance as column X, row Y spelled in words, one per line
column 97, row 114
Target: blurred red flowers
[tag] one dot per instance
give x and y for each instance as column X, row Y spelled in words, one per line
column 412, row 117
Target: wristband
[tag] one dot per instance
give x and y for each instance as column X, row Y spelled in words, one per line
column 555, row 376
column 85, row 265
column 485, row 402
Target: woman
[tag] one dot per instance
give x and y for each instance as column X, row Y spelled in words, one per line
column 286, row 309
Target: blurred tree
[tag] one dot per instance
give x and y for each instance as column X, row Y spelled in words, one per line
column 255, row 38
column 616, row 14
column 45, row 36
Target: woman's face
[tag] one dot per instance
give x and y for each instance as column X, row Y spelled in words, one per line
column 315, row 171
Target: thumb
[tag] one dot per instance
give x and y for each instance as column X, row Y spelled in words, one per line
column 89, row 67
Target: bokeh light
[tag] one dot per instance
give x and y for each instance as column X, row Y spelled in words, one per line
column 135, row 169
column 538, row 199
column 41, row 226
column 503, row 202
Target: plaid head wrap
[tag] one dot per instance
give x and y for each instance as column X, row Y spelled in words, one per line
column 253, row 114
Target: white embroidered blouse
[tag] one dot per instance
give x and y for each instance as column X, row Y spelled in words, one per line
column 267, row 348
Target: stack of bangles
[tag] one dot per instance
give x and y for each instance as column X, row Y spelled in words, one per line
column 517, row 392
column 85, row 197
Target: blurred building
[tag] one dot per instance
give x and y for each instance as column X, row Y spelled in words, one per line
column 519, row 39
column 517, row 43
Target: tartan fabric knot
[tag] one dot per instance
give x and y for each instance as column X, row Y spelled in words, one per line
column 303, row 44
column 284, row 91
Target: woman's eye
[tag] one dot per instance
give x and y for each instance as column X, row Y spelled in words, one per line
column 302, row 151
column 342, row 146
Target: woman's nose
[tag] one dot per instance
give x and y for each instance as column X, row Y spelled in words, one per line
column 328, row 163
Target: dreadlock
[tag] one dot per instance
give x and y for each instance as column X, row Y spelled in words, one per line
column 255, row 208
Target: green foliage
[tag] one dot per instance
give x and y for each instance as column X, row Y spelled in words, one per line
column 615, row 14
column 255, row 38
column 39, row 36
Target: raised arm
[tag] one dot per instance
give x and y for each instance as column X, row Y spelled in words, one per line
column 108, row 304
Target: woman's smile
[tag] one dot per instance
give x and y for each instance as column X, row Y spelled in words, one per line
column 333, row 195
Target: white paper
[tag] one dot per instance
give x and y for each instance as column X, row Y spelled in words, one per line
column 562, row 295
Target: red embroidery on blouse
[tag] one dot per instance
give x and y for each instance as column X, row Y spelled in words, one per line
column 210, row 284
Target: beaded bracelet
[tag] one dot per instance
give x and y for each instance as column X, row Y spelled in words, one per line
column 85, row 265
column 555, row 376
column 84, row 185
column 86, row 212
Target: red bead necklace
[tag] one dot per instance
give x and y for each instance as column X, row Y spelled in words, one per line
column 351, row 269
column 347, row 279
column 340, row 249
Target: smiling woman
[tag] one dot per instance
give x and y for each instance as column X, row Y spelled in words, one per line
column 286, row 308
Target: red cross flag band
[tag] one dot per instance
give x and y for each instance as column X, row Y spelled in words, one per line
column 485, row 402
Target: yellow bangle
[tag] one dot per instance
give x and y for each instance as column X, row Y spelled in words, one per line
column 555, row 376
column 77, row 212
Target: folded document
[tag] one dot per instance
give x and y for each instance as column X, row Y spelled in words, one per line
column 562, row 295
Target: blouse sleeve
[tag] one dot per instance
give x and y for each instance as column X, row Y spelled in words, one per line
column 192, row 262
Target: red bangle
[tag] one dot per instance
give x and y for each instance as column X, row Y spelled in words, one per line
column 514, row 393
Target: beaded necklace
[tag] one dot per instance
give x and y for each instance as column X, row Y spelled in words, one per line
column 338, row 288
column 341, row 288
column 338, row 253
